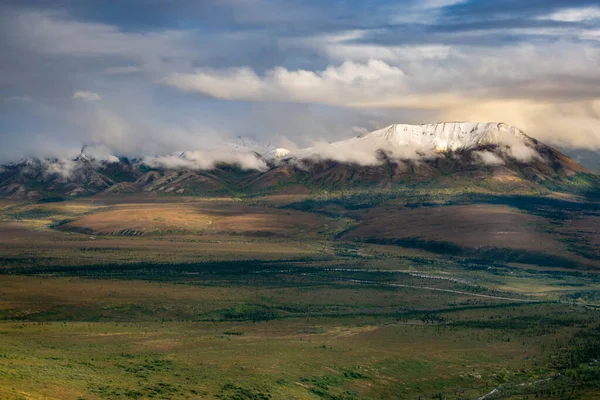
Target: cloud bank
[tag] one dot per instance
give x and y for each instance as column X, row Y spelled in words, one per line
column 345, row 85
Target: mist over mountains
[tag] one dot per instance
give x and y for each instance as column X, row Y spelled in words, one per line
column 492, row 154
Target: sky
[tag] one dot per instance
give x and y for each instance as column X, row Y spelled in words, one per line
column 145, row 77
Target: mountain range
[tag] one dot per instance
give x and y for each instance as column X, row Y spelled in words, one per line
column 492, row 155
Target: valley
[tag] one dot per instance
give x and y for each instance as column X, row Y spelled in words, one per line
column 334, row 295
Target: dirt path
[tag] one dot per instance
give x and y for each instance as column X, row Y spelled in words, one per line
column 487, row 296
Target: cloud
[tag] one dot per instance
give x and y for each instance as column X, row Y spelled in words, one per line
column 86, row 95
column 522, row 152
column 573, row 14
column 122, row 70
column 64, row 168
column 342, row 85
column 68, row 166
column 488, row 158
column 99, row 153
column 573, row 124
column 134, row 132
column 440, row 3
column 417, row 79
column 205, row 160
column 342, row 153
column 368, row 151
column 55, row 33
column 422, row 11
column 109, row 128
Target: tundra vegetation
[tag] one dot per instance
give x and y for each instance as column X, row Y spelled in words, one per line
column 408, row 294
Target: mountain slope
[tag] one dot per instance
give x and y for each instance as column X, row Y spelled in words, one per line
column 491, row 153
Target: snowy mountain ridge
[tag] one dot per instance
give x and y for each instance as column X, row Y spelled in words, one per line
column 412, row 142
column 495, row 153
column 449, row 136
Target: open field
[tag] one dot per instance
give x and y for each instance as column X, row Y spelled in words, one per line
column 99, row 300
column 116, row 339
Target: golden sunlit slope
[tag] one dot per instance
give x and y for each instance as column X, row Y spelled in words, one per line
column 207, row 218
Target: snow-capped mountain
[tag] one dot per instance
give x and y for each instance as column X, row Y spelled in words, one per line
column 410, row 142
column 478, row 152
column 449, row 136
column 77, row 176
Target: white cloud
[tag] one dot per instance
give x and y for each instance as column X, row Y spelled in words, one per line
column 439, row 3
column 233, row 84
column 86, row 95
column 420, row 12
column 410, row 76
column 100, row 152
column 522, row 152
column 591, row 34
column 433, row 78
column 368, row 150
column 349, row 83
column 204, row 160
column 488, row 158
column 342, row 47
column 574, row 14
column 63, row 167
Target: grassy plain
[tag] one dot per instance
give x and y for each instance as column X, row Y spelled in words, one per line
column 100, row 300
column 65, row 337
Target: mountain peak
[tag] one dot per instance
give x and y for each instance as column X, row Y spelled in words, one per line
column 449, row 136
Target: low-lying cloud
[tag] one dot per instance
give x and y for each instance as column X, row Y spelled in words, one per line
column 488, row 158
column 64, row 167
column 206, row 160
column 369, row 152
column 376, row 150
